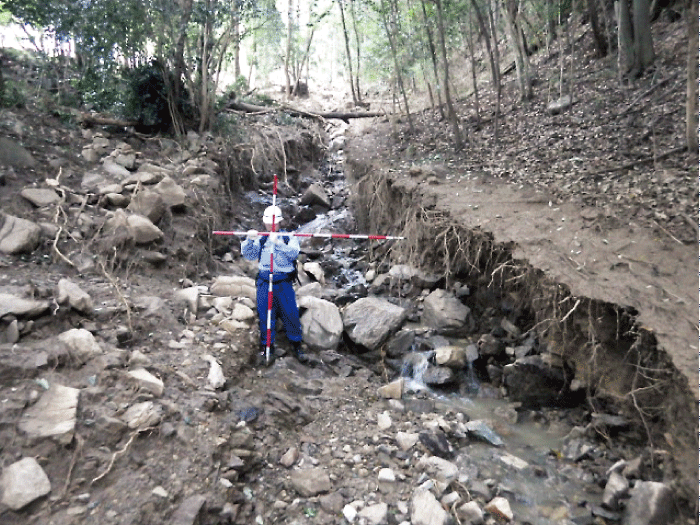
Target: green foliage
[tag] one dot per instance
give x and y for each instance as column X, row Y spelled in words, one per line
column 13, row 95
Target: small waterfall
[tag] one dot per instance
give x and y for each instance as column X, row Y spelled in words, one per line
column 413, row 367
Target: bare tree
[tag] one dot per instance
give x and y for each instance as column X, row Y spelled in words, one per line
column 348, row 54
column 389, row 18
column 522, row 62
column 451, row 113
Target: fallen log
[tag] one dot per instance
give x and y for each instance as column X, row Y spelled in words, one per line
column 92, row 119
column 344, row 116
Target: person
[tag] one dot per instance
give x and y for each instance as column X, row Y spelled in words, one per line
column 285, row 250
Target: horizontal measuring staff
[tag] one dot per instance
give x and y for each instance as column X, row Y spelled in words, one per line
column 321, row 235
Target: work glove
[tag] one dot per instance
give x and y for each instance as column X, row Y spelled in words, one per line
column 252, row 235
column 274, row 238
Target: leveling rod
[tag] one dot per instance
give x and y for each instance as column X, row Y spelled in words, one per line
column 321, row 235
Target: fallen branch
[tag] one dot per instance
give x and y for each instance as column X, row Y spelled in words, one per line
column 92, row 119
column 259, row 110
column 641, row 161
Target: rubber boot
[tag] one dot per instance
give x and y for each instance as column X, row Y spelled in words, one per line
column 298, row 352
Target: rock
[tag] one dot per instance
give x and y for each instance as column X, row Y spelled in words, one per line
column 557, row 106
column 234, row 286
column 313, row 289
column 12, row 154
column 384, row 421
column 190, row 511
column 80, row 344
column 142, row 415
column 315, row 194
column 374, row 514
column 315, row 269
column 114, row 169
column 426, row 509
column 188, row 297
column 242, row 312
column 370, row 320
column 18, row 235
column 442, row 471
column 513, row 461
column 172, row 194
column 143, row 230
column 444, row 312
column 406, row 440
column 489, row 345
column 534, row 383
column 40, row 197
column 216, row 373
column 147, row 381
column 53, row 416
column 401, row 343
column 11, row 333
column 19, row 307
column 481, row 431
column 23, row 482
column 393, row 390
column 471, row 513
column 149, row 204
column 386, row 475
column 349, row 513
column 436, row 443
column 650, row 503
column 438, row 375
column 452, row 356
column 615, row 489
column 500, row 508
column 321, row 323
column 70, row 293
column 290, row 457
column 311, row 482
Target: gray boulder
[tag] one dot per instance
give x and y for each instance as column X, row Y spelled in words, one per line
column 321, row 323
column 370, row 320
column 443, row 311
column 18, row 235
column 651, row 503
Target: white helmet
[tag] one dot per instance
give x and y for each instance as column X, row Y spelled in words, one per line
column 271, row 211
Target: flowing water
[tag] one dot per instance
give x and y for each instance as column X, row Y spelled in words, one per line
column 528, row 469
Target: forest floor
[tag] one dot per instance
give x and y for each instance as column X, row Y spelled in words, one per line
column 600, row 197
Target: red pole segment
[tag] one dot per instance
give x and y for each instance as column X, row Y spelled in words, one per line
column 269, row 286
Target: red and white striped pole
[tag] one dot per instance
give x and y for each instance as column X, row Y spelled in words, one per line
column 269, row 287
column 320, row 235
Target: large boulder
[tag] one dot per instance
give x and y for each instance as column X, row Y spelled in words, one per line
column 23, row 482
column 321, row 323
column 444, row 312
column 370, row 320
column 18, row 235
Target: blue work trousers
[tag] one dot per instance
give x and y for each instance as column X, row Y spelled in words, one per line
column 284, row 305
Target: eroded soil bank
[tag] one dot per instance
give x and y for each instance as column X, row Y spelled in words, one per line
column 611, row 300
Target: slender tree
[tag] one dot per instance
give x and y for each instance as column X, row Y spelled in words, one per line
column 451, row 113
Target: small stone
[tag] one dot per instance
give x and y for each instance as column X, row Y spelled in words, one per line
column 290, row 457
column 393, row 390
column 406, row 440
column 386, row 475
column 384, row 421
column 500, row 508
column 147, row 381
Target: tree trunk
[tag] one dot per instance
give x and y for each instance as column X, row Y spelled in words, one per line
column 451, row 114
column 287, row 58
column 495, row 77
column 601, row 43
column 353, row 14
column 497, row 69
column 391, row 33
column 470, row 48
column 643, row 43
column 433, row 57
column 522, row 63
column 625, row 40
column 691, row 105
column 348, row 55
